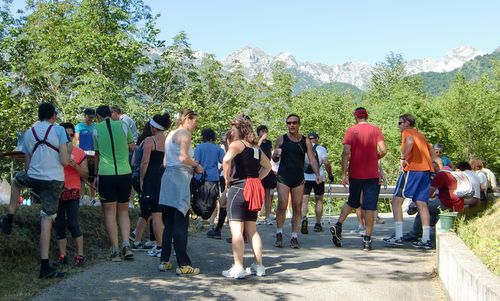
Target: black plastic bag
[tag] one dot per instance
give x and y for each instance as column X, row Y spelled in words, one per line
column 204, row 196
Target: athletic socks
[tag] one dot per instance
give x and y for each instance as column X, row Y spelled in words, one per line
column 279, row 230
column 294, row 235
column 426, row 233
column 399, row 229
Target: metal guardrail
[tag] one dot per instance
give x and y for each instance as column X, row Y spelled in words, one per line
column 338, row 191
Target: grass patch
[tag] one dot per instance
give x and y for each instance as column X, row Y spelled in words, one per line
column 19, row 251
column 482, row 236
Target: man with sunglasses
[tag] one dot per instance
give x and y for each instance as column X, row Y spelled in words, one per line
column 438, row 149
column 414, row 182
column 290, row 150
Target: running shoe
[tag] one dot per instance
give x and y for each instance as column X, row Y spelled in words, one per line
column 127, row 253
column 214, row 233
column 303, row 227
column 149, row 244
column 393, row 241
column 409, row 237
column 51, row 272
column 257, row 270
column 412, row 209
column 187, row 270
column 62, row 259
column 336, row 232
column 236, row 272
column 294, row 243
column 269, row 221
column 131, row 236
column 154, row 252
column 379, row 220
column 115, row 256
column 422, row 245
column 318, row 228
column 79, row 260
column 279, row 240
column 165, row 266
column 367, row 245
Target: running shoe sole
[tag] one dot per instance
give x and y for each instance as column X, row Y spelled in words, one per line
column 337, row 241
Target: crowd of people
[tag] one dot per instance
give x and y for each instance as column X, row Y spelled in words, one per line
column 161, row 167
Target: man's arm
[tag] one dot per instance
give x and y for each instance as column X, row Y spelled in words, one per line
column 312, row 160
column 382, row 149
column 277, row 149
column 346, row 157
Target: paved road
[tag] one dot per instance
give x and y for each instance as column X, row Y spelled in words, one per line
column 317, row 271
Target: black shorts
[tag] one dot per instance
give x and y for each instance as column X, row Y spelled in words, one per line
column 319, row 189
column 270, row 181
column 370, row 189
column 237, row 207
column 291, row 181
column 115, row 188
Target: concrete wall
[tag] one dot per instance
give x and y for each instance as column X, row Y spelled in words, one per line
column 462, row 274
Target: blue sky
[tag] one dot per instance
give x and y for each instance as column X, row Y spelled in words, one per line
column 332, row 32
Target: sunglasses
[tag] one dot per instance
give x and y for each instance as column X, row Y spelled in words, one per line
column 292, row 122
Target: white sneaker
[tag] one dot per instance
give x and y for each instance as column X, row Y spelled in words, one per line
column 236, row 272
column 269, row 221
column 255, row 269
column 154, row 252
column 150, row 244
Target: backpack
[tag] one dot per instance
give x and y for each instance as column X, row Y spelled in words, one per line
column 464, row 185
column 307, row 166
column 203, row 196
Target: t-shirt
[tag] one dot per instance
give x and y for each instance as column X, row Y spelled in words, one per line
column 85, row 133
column 45, row 163
column 476, row 183
column 419, row 158
column 113, row 158
column 446, row 161
column 322, row 154
column 446, row 183
column 131, row 124
column 363, row 139
column 71, row 175
column 209, row 155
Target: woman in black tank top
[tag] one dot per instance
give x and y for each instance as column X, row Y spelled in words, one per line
column 290, row 150
column 250, row 165
column 151, row 171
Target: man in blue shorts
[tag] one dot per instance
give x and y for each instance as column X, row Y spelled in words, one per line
column 363, row 146
column 414, row 182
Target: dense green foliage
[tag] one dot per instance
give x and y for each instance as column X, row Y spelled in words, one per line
column 438, row 83
column 79, row 53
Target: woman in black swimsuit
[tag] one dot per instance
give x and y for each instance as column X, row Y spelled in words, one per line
column 290, row 150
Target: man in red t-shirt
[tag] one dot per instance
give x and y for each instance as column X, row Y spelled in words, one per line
column 363, row 146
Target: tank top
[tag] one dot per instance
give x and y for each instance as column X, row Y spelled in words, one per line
column 247, row 163
column 292, row 156
column 155, row 165
column 173, row 150
column 71, row 176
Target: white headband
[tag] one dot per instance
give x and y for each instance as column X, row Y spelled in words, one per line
column 156, row 125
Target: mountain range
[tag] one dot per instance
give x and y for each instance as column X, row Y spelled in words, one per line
column 255, row 61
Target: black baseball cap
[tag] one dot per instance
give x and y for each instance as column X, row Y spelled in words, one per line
column 313, row 135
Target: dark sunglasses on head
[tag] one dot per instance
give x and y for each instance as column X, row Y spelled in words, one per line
column 292, row 122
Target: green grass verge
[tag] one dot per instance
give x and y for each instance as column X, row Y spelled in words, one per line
column 19, row 251
column 482, row 236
